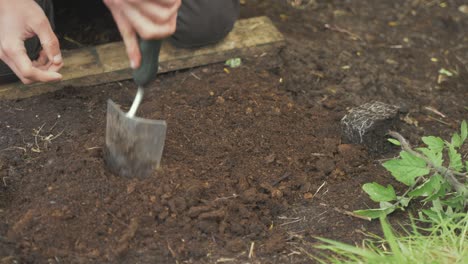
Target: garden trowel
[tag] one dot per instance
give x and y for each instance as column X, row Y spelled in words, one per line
column 134, row 145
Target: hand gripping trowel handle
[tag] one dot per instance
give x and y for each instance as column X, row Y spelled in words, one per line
column 147, row 71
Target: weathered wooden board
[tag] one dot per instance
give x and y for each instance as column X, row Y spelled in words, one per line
column 250, row 38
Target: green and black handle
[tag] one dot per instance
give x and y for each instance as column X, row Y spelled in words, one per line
column 149, row 62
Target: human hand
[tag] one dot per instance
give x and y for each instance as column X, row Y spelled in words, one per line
column 150, row 19
column 20, row 20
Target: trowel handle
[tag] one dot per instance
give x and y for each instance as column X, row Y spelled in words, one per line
column 149, row 62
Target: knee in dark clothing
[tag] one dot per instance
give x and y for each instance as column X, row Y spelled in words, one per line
column 203, row 22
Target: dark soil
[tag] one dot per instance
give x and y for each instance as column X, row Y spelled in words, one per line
column 253, row 158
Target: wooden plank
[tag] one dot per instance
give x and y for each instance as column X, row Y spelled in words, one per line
column 250, row 38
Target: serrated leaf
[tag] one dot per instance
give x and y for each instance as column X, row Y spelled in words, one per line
column 434, row 143
column 379, row 193
column 394, row 141
column 463, row 131
column 431, row 186
column 433, row 156
column 407, row 168
column 440, row 193
column 455, row 159
column 404, row 201
column 375, row 213
column 456, row 140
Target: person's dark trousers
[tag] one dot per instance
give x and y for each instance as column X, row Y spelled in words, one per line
column 199, row 23
column 203, row 22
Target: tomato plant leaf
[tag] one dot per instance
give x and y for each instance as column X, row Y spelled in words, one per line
column 394, row 141
column 456, row 140
column 407, row 168
column 435, row 144
column 444, row 186
column 434, row 157
column 404, row 201
column 455, row 159
column 431, row 186
column 375, row 213
column 379, row 193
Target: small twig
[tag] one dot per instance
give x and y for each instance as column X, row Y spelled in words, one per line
column 435, row 111
column 195, row 76
column 448, row 174
column 226, row 198
column 342, row 30
column 282, row 178
column 12, row 148
column 318, row 154
column 319, row 188
column 67, row 38
column 348, row 213
column 438, row 120
column 53, row 126
column 251, row 251
column 38, row 149
column 296, row 220
column 91, row 148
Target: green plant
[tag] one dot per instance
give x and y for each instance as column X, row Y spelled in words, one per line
column 442, row 242
column 436, row 173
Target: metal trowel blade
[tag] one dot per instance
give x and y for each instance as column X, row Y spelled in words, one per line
column 134, row 145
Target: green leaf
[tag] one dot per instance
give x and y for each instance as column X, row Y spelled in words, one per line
column 379, row 193
column 445, row 72
column 434, row 143
column 407, row 169
column 455, row 202
column 431, row 186
column 456, row 140
column 375, row 213
column 440, row 193
column 394, row 141
column 437, row 206
column 466, row 165
column 404, row 201
column 455, row 159
column 392, row 240
column 464, row 131
column 433, row 215
column 234, row 62
column 434, row 157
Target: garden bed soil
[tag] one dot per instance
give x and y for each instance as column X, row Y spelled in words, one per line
column 253, row 168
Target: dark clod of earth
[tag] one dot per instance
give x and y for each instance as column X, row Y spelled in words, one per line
column 368, row 124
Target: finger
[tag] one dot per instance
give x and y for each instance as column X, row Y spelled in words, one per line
column 26, row 70
column 16, row 71
column 166, row 3
column 49, row 41
column 42, row 60
column 156, row 11
column 129, row 37
column 148, row 29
